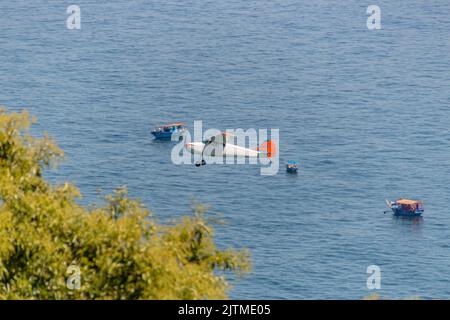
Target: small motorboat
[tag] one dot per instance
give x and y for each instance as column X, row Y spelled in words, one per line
column 172, row 131
column 406, row 207
column 291, row 167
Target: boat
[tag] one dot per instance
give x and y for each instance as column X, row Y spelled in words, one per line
column 406, row 207
column 291, row 167
column 171, row 131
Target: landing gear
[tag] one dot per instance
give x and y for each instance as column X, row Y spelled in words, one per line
column 200, row 163
column 203, row 162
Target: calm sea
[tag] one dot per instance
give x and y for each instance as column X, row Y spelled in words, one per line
column 365, row 113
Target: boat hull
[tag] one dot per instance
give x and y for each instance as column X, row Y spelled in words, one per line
column 404, row 213
column 167, row 136
column 162, row 135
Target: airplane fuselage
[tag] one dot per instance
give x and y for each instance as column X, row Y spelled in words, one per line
column 218, row 150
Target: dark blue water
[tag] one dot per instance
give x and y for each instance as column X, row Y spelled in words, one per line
column 366, row 114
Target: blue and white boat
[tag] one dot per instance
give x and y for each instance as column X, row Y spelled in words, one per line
column 406, row 207
column 172, row 131
column 291, row 167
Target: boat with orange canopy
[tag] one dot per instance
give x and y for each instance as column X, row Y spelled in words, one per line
column 171, row 131
column 406, row 207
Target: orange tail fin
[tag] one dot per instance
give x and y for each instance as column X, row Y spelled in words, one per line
column 268, row 147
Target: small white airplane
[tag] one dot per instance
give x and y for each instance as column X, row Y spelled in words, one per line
column 218, row 146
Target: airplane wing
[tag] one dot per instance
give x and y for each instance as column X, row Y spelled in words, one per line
column 222, row 138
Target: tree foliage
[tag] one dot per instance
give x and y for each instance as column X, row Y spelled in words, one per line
column 119, row 249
